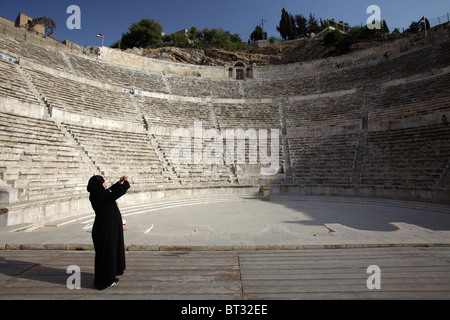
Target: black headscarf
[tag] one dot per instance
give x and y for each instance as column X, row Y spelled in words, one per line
column 95, row 184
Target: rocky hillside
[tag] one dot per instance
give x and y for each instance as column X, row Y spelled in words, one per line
column 261, row 52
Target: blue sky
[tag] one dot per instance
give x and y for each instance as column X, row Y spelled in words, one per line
column 112, row 18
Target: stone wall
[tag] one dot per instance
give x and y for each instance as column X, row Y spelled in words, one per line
column 134, row 60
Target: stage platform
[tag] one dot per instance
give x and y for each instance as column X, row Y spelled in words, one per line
column 233, row 247
column 249, row 223
column 405, row 273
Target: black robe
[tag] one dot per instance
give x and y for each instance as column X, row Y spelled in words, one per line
column 107, row 232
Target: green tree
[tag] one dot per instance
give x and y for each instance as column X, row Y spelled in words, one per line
column 195, row 34
column 414, row 27
column 313, row 25
column 287, row 28
column 209, row 36
column 143, row 34
column 337, row 39
column 222, row 39
column 359, row 33
column 333, row 37
column 323, row 24
column 417, row 26
column 301, row 25
column 258, row 34
column 384, row 27
column 176, row 40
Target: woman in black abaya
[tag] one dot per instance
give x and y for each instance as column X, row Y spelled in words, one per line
column 107, row 232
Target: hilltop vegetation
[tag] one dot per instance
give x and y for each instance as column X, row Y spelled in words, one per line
column 148, row 33
column 303, row 39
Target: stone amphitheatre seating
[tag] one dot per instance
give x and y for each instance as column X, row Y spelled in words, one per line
column 37, row 159
column 174, row 113
column 264, row 88
column 418, row 97
column 126, row 77
column 352, row 75
column 78, row 97
column 118, row 153
column 203, row 87
column 373, row 123
column 411, row 156
column 33, row 52
column 12, row 85
column 323, row 159
column 238, row 162
column 188, row 171
column 420, row 146
column 248, row 115
column 325, row 109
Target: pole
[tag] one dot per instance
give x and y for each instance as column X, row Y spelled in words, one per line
column 425, row 22
column 99, row 35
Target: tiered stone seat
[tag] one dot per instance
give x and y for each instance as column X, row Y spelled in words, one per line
column 117, row 153
column 10, row 46
column 190, row 173
column 203, row 87
column 247, row 155
column 246, row 145
column 349, row 77
column 442, row 59
column 411, row 63
column 323, row 159
column 445, row 181
column 33, row 52
column 174, row 113
column 77, row 97
column 38, row 160
column 131, row 78
column 331, row 109
column 407, row 157
column 416, row 98
column 240, row 161
column 262, row 88
column 248, row 115
column 12, row 85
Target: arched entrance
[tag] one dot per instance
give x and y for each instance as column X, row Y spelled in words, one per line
column 240, row 71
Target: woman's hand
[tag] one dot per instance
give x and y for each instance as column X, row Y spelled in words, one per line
column 123, row 178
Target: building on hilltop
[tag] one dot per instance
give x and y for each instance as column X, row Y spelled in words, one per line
column 22, row 21
column 183, row 32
